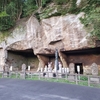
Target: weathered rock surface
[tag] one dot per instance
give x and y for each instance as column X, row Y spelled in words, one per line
column 62, row 32
column 65, row 32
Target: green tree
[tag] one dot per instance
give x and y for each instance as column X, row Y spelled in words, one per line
column 92, row 17
column 10, row 11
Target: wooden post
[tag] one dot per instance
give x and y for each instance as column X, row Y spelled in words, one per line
column 48, row 75
column 16, row 75
column 88, row 80
column 66, row 76
column 31, row 74
column 79, row 77
column 3, row 74
column 76, row 78
column 57, row 75
column 39, row 75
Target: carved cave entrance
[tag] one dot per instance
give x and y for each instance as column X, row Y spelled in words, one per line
column 17, row 57
column 45, row 58
column 83, row 57
column 51, row 58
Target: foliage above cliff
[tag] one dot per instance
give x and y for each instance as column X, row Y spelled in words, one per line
column 92, row 17
column 13, row 10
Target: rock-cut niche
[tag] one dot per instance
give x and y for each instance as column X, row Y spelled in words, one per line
column 17, row 57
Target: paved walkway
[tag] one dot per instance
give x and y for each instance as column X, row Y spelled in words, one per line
column 16, row 89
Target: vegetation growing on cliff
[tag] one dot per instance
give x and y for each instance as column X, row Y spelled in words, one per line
column 92, row 17
column 3, row 36
column 13, row 10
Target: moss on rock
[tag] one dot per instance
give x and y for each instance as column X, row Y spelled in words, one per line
column 4, row 35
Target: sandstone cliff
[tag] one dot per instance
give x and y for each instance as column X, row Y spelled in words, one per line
column 63, row 33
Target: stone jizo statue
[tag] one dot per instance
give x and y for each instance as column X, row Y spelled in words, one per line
column 71, row 68
column 23, row 67
column 60, row 67
column 50, row 67
column 10, row 68
column 67, row 70
column 28, row 68
column 94, row 69
column 45, row 69
column 41, row 69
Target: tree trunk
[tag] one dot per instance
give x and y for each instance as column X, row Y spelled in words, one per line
column 20, row 13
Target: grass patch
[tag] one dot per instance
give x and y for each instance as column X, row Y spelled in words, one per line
column 83, row 78
column 0, row 75
column 32, row 77
column 83, row 83
column 14, row 75
column 95, row 85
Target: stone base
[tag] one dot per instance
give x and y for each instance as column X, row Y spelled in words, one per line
column 94, row 80
column 50, row 75
column 71, row 78
column 22, row 75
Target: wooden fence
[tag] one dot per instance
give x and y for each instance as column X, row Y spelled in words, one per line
column 88, row 80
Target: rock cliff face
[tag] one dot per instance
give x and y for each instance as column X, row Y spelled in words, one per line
column 63, row 32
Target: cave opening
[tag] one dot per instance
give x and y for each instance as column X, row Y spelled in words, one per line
column 80, row 68
column 86, row 56
column 16, row 58
column 47, row 58
column 83, row 51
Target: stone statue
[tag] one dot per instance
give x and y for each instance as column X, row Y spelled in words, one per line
column 45, row 69
column 71, row 68
column 60, row 67
column 28, row 68
column 23, row 73
column 67, row 70
column 10, row 68
column 49, row 66
column 41, row 70
column 23, row 67
column 94, row 69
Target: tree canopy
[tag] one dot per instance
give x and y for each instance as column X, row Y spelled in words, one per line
column 13, row 10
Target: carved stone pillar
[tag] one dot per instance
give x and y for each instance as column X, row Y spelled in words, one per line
column 43, row 60
column 63, row 59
